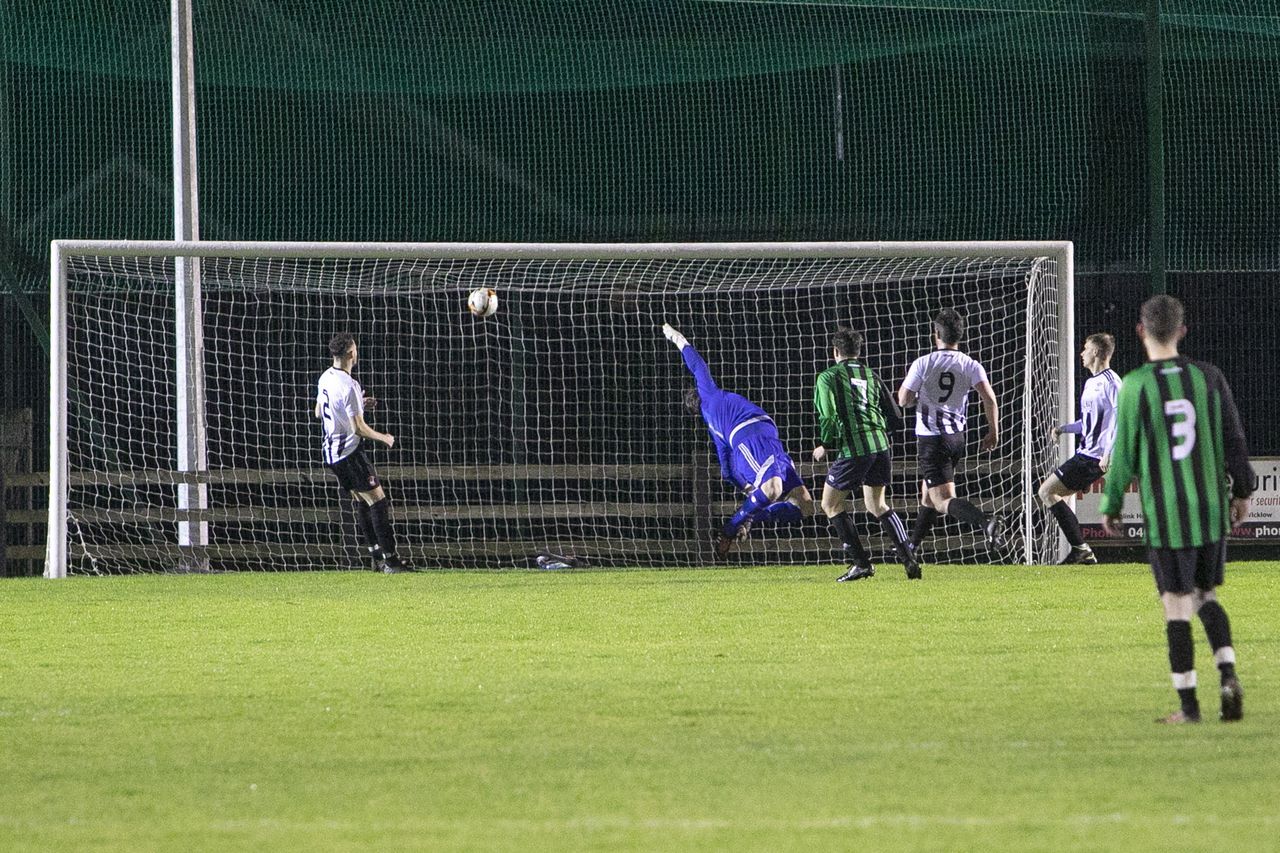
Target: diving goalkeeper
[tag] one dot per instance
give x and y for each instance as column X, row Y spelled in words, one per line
column 750, row 451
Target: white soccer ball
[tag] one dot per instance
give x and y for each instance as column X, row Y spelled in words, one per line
column 483, row 302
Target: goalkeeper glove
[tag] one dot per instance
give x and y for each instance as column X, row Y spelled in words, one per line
column 674, row 336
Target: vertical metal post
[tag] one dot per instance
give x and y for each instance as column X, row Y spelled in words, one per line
column 837, row 115
column 1155, row 146
column 1066, row 364
column 55, row 563
column 192, row 442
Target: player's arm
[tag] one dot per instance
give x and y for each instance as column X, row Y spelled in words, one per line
column 1236, row 450
column 892, row 411
column 1076, row 427
column 830, row 426
column 991, row 407
column 355, row 405
column 1123, row 457
column 707, row 387
column 366, row 431
column 910, row 388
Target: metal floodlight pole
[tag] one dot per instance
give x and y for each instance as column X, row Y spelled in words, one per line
column 192, row 439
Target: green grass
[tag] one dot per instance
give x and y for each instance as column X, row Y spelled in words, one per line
column 766, row 709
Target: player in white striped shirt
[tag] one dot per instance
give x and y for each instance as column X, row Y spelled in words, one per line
column 340, row 406
column 938, row 385
column 1097, row 431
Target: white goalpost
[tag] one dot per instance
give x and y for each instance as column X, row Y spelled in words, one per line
column 553, row 427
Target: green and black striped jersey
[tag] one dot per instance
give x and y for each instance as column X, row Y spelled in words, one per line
column 853, row 409
column 1178, row 431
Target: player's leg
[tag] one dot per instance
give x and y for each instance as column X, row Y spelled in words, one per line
column 378, row 507
column 760, row 459
column 926, row 516
column 949, row 450
column 891, row 524
column 1178, row 607
column 843, row 476
column 364, row 524
column 1075, row 475
column 1217, row 628
column 1174, row 572
column 370, row 492
column 835, row 506
column 356, row 475
column 801, row 499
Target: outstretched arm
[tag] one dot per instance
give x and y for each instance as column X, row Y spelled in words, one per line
column 693, row 361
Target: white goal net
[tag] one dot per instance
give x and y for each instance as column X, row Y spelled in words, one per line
column 555, row 426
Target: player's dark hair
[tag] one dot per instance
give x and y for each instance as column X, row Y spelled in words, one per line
column 948, row 325
column 692, row 401
column 1103, row 344
column 847, row 343
column 341, row 344
column 1162, row 317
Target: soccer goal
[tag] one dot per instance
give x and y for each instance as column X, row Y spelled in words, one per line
column 183, row 435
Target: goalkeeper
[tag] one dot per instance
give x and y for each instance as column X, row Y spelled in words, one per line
column 750, row 451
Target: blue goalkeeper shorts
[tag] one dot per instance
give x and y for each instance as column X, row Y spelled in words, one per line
column 757, row 455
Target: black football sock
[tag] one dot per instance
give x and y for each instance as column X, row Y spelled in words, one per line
column 925, row 517
column 364, row 523
column 848, row 533
column 381, row 514
column 1218, row 628
column 1182, row 664
column 894, row 529
column 1069, row 523
column 961, row 510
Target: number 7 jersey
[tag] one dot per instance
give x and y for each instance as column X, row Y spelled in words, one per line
column 942, row 381
column 853, row 405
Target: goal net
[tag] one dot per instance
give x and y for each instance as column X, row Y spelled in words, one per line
column 555, row 426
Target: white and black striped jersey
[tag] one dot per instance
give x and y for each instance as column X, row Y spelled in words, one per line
column 340, row 400
column 942, row 381
column 1097, row 424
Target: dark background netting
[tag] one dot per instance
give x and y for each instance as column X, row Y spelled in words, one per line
column 626, row 120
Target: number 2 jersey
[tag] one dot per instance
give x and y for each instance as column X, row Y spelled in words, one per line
column 942, row 381
column 1178, row 431
column 341, row 400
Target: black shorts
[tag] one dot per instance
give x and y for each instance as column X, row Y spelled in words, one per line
column 853, row 472
column 1079, row 472
column 1184, row 570
column 356, row 473
column 938, row 457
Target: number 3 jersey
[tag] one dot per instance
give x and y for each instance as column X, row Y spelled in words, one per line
column 942, row 381
column 1178, row 431
column 340, row 400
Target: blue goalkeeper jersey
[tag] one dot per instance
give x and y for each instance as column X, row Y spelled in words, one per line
column 724, row 411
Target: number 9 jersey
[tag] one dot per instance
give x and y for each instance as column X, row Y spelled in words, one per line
column 942, row 381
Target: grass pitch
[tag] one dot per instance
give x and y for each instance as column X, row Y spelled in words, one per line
column 768, row 709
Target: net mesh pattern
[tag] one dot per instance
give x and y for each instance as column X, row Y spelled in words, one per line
column 556, row 425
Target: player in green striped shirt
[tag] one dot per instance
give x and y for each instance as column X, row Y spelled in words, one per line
column 1178, row 431
column 854, row 408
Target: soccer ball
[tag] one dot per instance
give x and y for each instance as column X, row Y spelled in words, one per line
column 483, row 302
